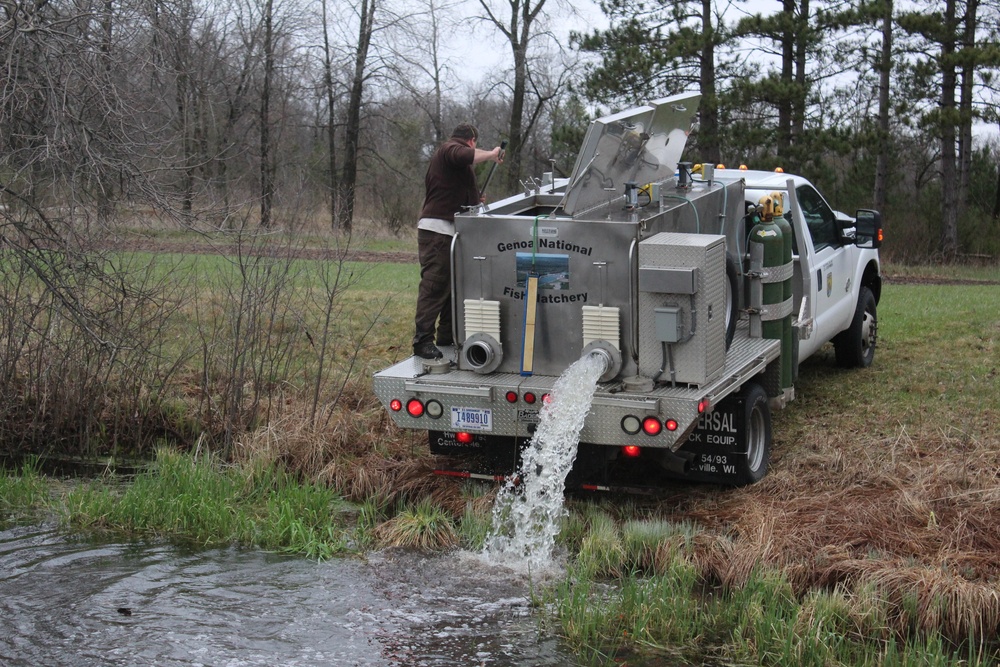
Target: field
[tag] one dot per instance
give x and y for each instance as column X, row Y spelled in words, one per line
column 874, row 538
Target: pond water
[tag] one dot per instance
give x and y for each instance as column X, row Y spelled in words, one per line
column 66, row 602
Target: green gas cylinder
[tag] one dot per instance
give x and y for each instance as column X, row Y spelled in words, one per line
column 770, row 265
column 788, row 348
column 767, row 241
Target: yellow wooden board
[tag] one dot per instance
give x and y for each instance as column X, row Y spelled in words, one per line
column 530, row 306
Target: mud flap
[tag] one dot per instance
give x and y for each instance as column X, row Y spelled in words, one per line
column 488, row 455
column 718, row 443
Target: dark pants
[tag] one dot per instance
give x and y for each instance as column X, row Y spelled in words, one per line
column 434, row 294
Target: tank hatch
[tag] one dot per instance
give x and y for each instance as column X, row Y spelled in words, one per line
column 640, row 145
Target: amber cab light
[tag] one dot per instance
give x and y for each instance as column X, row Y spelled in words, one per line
column 511, row 396
column 671, row 424
column 464, row 437
column 652, row 426
column 395, row 405
column 631, row 451
column 415, row 407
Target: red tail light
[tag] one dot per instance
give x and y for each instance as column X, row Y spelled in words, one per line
column 652, row 426
column 415, row 407
column 631, row 451
column 395, row 405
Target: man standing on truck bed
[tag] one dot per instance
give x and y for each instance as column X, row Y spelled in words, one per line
column 450, row 185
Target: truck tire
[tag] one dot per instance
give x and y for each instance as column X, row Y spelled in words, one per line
column 732, row 298
column 855, row 346
column 757, row 430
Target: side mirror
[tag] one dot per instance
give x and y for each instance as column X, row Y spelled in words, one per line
column 868, row 228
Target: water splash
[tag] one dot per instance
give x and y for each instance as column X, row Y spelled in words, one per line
column 526, row 516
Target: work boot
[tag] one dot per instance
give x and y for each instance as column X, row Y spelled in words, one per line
column 427, row 350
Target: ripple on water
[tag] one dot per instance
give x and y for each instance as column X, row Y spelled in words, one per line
column 60, row 601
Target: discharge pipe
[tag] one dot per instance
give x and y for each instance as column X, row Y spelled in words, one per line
column 609, row 355
column 482, row 353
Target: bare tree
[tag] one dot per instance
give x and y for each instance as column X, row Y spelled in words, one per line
column 266, row 167
column 349, row 172
column 521, row 22
column 329, row 89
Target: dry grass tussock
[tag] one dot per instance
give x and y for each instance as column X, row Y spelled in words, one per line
column 914, row 517
column 356, row 449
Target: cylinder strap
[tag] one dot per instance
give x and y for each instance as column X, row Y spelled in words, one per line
column 776, row 311
column 777, row 274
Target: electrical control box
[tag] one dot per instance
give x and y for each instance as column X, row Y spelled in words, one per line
column 682, row 307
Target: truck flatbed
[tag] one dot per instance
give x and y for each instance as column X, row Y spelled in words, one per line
column 458, row 389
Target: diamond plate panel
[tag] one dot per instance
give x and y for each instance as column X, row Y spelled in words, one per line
column 700, row 358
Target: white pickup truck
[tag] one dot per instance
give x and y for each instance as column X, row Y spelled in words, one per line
column 700, row 288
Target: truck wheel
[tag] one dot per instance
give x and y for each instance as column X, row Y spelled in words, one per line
column 855, row 346
column 732, row 298
column 757, row 427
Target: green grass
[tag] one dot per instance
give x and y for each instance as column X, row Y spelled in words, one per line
column 23, row 493
column 946, row 272
column 670, row 618
column 197, row 501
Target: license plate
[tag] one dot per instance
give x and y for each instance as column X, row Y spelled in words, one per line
column 472, row 419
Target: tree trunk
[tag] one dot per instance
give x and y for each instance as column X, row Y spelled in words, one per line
column 784, row 101
column 965, row 108
column 266, row 174
column 883, row 140
column 949, row 180
column 333, row 186
column 349, row 175
column 709, row 116
column 802, row 33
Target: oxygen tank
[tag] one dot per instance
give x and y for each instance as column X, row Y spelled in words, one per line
column 767, row 243
column 770, row 276
column 788, row 351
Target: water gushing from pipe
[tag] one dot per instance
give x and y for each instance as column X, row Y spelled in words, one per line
column 526, row 515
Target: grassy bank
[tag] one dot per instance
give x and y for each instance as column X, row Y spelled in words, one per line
column 872, row 540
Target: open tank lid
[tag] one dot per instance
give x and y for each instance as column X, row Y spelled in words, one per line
column 642, row 145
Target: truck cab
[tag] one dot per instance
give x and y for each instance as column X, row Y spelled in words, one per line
column 832, row 263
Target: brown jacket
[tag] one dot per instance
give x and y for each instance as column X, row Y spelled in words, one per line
column 450, row 181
